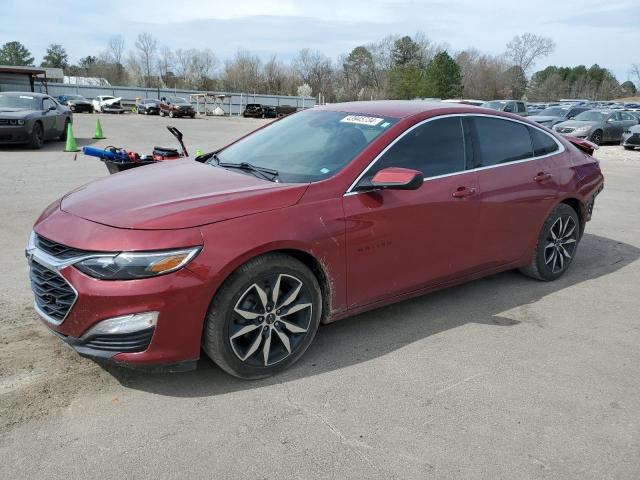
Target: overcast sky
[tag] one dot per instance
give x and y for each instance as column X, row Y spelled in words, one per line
column 585, row 31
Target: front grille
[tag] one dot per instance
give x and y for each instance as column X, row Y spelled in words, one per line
column 57, row 249
column 565, row 130
column 4, row 121
column 54, row 296
column 129, row 342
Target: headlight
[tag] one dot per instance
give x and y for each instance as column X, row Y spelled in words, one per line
column 20, row 122
column 584, row 128
column 134, row 265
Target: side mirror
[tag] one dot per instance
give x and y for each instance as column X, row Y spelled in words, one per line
column 395, row 178
column 52, row 107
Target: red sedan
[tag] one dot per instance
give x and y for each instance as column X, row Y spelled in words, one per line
column 315, row 217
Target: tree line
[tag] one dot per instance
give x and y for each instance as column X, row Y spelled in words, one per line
column 400, row 67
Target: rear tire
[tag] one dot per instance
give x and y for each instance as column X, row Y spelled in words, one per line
column 557, row 245
column 37, row 136
column 276, row 301
column 596, row 137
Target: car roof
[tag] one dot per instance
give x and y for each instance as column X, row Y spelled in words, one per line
column 30, row 94
column 397, row 108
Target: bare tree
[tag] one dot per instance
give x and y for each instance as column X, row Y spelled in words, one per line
column 166, row 62
column 203, row 65
column 523, row 50
column 315, row 69
column 115, row 54
column 242, row 73
column 147, row 47
column 635, row 71
column 276, row 77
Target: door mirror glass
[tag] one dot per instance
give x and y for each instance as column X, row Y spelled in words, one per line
column 395, row 178
column 52, row 107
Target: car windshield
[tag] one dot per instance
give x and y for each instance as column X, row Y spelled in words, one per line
column 554, row 112
column 177, row 100
column 74, row 97
column 22, row 102
column 590, row 116
column 494, row 105
column 308, row 146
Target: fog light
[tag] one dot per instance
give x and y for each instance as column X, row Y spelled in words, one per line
column 124, row 324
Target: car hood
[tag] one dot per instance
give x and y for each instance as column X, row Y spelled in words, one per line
column 110, row 101
column 542, row 118
column 177, row 194
column 578, row 123
column 16, row 112
column 634, row 128
column 79, row 102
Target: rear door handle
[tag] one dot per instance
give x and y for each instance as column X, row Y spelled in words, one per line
column 463, row 192
column 542, row 176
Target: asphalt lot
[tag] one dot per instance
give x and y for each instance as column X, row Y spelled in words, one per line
column 505, row 377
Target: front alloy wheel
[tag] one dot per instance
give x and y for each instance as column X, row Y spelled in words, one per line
column 270, row 320
column 264, row 317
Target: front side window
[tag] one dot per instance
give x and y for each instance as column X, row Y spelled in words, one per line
column 434, row 148
column 499, row 141
column 308, row 146
column 46, row 103
column 521, row 107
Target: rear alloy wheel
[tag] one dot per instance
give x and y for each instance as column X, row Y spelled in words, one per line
column 557, row 244
column 37, row 136
column 264, row 317
column 596, row 137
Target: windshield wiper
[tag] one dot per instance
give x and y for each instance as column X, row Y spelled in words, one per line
column 266, row 173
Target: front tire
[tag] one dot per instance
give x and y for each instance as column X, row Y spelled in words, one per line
column 628, row 147
column 557, row 245
column 37, row 136
column 63, row 135
column 264, row 317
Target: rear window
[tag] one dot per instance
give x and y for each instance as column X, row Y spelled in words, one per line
column 491, row 145
column 543, row 144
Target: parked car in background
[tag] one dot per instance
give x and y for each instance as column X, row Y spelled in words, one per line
column 253, row 110
column 327, row 213
column 31, row 118
column 554, row 115
column 464, row 101
column 599, row 126
column 631, row 137
column 510, row 106
column 176, row 107
column 269, row 111
column 76, row 103
column 149, row 106
column 108, row 104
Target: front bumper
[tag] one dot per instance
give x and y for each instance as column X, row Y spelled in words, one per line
column 179, row 298
column 631, row 140
column 14, row 134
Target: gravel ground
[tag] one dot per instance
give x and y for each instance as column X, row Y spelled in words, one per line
column 504, row 377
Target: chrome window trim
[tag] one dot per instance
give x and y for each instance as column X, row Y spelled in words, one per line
column 561, row 149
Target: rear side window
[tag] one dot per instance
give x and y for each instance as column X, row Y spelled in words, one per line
column 543, row 144
column 499, row 141
column 521, row 107
column 434, row 148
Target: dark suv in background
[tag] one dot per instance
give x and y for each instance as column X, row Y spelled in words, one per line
column 253, row 110
column 76, row 103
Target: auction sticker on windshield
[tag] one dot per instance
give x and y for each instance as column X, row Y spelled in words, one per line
column 362, row 120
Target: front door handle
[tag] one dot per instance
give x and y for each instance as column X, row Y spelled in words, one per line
column 462, row 192
column 542, row 177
